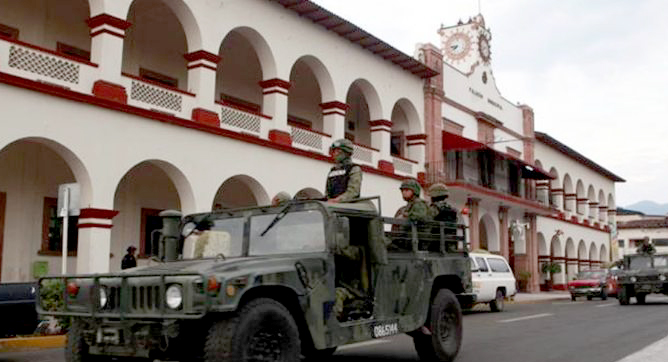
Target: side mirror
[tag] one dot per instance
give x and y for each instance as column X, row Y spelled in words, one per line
column 342, row 232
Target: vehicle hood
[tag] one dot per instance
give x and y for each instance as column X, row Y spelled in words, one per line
column 585, row 283
column 649, row 272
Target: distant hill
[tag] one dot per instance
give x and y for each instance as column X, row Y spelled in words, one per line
column 649, row 208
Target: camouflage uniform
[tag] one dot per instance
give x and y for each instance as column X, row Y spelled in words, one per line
column 344, row 181
column 416, row 209
column 440, row 210
column 646, row 247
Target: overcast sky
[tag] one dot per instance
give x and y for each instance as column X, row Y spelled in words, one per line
column 595, row 72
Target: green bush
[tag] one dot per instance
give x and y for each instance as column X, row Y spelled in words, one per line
column 51, row 293
column 550, row 268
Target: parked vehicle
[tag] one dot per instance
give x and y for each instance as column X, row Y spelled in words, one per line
column 17, row 308
column 591, row 283
column 493, row 280
column 642, row 274
column 274, row 283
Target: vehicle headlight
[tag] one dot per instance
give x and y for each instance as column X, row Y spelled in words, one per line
column 633, row 279
column 662, row 278
column 103, row 297
column 174, row 296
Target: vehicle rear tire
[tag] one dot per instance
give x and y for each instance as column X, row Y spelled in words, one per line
column 76, row 349
column 589, row 297
column 262, row 330
column 640, row 298
column 623, row 296
column 604, row 295
column 497, row 304
column 445, row 323
column 573, row 298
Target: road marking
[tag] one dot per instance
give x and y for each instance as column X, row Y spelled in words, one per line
column 655, row 352
column 363, row 344
column 605, row 305
column 525, row 318
column 567, row 303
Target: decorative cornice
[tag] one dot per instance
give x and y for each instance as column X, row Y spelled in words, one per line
column 91, row 213
column 275, row 83
column 419, row 136
column 202, row 55
column 334, row 105
column 380, row 123
column 106, row 19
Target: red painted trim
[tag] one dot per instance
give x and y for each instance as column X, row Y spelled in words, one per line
column 514, row 199
column 94, row 226
column 367, row 147
column 106, row 31
column 333, row 112
column 558, row 191
column 151, row 82
column 202, row 66
column 110, row 91
column 106, row 19
column 581, row 200
column 89, row 213
column 405, row 159
column 380, row 123
column 275, row 91
column 275, row 82
column 335, row 105
column 575, row 223
column 419, row 136
column 202, row 55
column 52, row 52
column 171, row 120
column 386, row 166
column 243, row 109
column 205, row 116
column 571, row 195
column 280, row 137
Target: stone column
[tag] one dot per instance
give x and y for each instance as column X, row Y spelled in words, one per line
column 107, row 34
column 532, row 253
column 593, row 212
column 560, row 281
column 433, row 104
column 474, row 223
column 417, row 146
column 602, row 214
column 558, row 198
column 503, row 231
column 570, row 205
column 612, row 216
column 202, row 67
column 542, row 192
column 275, row 104
column 334, row 119
column 381, row 135
column 571, row 268
column 94, row 240
column 581, row 208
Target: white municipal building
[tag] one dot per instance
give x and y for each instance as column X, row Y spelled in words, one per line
column 198, row 104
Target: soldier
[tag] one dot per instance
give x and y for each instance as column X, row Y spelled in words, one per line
column 344, row 180
column 646, row 247
column 281, row 198
column 439, row 210
column 416, row 209
column 129, row 260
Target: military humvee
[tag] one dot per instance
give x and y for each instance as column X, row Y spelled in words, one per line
column 275, row 284
column 642, row 274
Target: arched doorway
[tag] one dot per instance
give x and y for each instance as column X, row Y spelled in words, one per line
column 240, row 191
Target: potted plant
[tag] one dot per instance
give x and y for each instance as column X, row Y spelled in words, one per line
column 550, row 269
column 523, row 278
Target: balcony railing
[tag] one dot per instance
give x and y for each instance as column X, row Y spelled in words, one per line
column 364, row 155
column 47, row 66
column 151, row 95
column 403, row 166
column 310, row 140
column 241, row 121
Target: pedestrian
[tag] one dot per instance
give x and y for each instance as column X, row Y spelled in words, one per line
column 344, row 180
column 129, row 260
column 281, row 198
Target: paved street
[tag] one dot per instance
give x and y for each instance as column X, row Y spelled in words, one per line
column 592, row 331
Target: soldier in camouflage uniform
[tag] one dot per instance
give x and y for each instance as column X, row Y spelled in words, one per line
column 646, row 247
column 439, row 209
column 344, row 180
column 416, row 209
column 281, row 198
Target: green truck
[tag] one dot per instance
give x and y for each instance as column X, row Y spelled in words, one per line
column 273, row 284
column 642, row 274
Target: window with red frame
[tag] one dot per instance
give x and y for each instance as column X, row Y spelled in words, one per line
column 52, row 229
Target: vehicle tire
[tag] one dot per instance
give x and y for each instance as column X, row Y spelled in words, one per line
column 445, row 322
column 319, row 354
column 640, row 298
column 498, row 303
column 76, row 349
column 262, row 330
column 573, row 297
column 604, row 295
column 589, row 297
column 623, row 296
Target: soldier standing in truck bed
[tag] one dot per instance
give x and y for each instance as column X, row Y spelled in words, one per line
column 344, row 180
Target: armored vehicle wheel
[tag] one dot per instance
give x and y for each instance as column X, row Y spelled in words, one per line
column 498, row 303
column 623, row 296
column 446, row 330
column 640, row 298
column 76, row 349
column 263, row 330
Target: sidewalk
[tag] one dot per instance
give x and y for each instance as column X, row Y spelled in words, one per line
column 541, row 297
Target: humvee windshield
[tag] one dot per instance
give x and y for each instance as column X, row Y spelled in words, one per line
column 295, row 232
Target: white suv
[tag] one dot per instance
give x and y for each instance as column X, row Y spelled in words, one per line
column 493, row 280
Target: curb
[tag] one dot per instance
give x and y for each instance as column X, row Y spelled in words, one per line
column 31, row 343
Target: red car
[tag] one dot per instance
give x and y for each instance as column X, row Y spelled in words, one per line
column 593, row 283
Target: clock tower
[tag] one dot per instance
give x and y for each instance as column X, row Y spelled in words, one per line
column 466, row 45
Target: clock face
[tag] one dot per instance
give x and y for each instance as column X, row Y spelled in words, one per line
column 458, row 46
column 484, row 48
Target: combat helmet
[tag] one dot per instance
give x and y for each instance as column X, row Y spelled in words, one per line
column 438, row 190
column 344, row 145
column 411, row 185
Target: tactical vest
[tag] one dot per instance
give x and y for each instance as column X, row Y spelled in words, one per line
column 337, row 180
